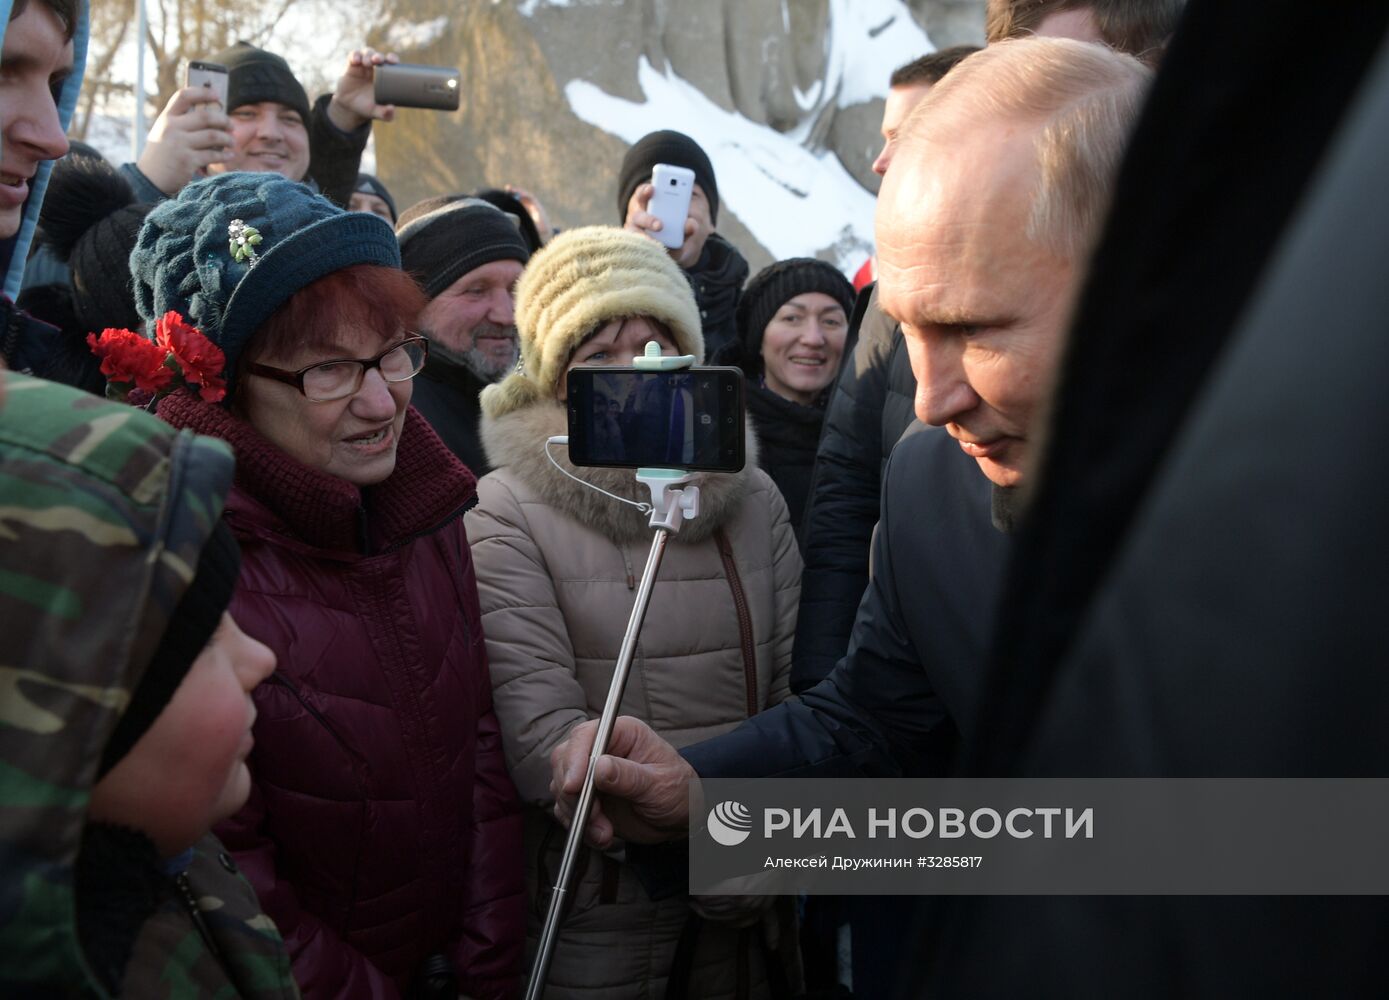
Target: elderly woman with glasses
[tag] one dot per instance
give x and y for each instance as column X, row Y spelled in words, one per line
column 382, row 833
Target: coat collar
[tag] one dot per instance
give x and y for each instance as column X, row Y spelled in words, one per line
column 429, row 485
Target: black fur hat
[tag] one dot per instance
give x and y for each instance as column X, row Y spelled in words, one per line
column 90, row 220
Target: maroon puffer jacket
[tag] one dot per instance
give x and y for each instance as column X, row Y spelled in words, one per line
column 382, row 827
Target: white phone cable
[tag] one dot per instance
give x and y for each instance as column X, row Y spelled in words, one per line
column 563, row 439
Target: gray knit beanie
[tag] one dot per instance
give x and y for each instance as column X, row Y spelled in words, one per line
column 184, row 258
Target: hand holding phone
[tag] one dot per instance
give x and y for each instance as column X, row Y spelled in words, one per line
column 191, row 133
column 211, row 75
column 670, row 202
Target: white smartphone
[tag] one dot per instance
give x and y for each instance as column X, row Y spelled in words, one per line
column 671, row 202
column 209, row 74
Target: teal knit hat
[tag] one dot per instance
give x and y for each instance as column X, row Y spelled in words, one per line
column 185, row 259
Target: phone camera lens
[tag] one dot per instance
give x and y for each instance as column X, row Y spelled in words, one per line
column 672, row 182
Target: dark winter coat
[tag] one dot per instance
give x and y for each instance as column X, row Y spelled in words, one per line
column 446, row 394
column 1199, row 589
column 906, row 694
column 27, row 344
column 335, row 157
column 787, row 436
column 717, row 279
column 872, row 407
column 382, row 827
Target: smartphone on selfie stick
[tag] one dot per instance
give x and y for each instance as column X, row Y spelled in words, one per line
column 656, row 410
column 670, row 202
column 627, row 418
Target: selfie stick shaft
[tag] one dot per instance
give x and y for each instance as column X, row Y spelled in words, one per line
column 536, row 988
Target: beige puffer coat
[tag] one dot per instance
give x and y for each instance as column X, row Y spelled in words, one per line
column 557, row 568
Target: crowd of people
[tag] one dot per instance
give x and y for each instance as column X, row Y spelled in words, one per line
column 307, row 623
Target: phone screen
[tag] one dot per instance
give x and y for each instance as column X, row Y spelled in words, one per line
column 687, row 419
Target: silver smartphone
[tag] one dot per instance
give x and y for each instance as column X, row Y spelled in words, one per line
column 209, row 74
column 670, row 202
column 409, row 86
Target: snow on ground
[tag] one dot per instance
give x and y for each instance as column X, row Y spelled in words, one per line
column 409, row 35
column 796, row 201
column 868, row 40
column 528, row 7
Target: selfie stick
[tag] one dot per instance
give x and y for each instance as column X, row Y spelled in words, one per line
column 673, row 500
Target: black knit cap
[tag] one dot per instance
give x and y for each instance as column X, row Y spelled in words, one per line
column 254, row 75
column 367, row 184
column 674, row 148
column 90, row 219
column 770, row 289
column 190, row 627
column 443, row 238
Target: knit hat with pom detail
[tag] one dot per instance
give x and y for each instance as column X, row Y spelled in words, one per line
column 582, row 279
column 90, row 219
column 183, row 258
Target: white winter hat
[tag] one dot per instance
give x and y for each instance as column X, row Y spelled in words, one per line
column 579, row 281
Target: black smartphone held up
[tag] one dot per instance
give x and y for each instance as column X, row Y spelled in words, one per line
column 691, row 418
column 409, row 86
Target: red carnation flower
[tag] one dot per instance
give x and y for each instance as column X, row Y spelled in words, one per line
column 200, row 360
column 129, row 359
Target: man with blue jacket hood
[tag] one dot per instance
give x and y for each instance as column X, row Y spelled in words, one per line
column 44, row 48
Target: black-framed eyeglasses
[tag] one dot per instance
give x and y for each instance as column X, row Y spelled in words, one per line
column 330, row 380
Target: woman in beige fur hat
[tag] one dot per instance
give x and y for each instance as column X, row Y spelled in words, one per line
column 557, row 567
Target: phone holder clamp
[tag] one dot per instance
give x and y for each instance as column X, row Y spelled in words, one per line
column 673, row 500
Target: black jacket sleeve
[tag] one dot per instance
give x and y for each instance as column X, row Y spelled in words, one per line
column 335, row 156
column 26, row 344
column 876, row 715
column 843, row 505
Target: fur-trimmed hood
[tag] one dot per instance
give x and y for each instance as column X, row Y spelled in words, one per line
column 516, row 441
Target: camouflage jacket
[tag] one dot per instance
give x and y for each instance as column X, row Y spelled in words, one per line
column 104, row 511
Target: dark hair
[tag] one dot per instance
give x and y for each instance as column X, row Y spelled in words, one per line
column 931, row 67
column 1139, row 27
column 64, row 10
column 660, row 326
column 512, row 206
column 363, row 295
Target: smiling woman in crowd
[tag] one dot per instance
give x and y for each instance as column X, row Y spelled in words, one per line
column 382, row 832
column 793, row 318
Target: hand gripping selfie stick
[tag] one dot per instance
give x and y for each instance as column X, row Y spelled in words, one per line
column 673, row 500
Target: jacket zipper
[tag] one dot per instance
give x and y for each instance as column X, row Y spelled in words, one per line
column 279, row 678
column 740, row 605
column 468, row 505
column 190, row 903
